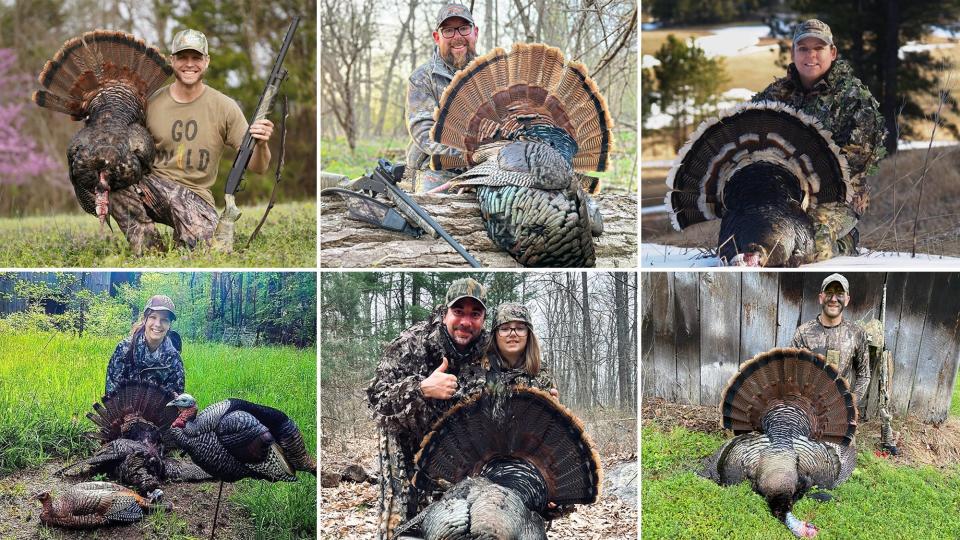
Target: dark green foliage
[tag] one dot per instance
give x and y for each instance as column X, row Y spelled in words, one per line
column 238, row 308
column 688, row 83
column 705, row 11
column 244, row 38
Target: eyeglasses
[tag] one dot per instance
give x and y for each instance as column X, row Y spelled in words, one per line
column 505, row 331
column 839, row 296
column 447, row 31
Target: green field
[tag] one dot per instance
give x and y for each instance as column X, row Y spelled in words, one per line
column 880, row 500
column 49, row 381
column 287, row 240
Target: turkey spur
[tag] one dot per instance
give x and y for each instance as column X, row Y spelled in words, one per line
column 526, row 122
column 794, row 418
column 761, row 168
column 510, row 453
column 104, row 78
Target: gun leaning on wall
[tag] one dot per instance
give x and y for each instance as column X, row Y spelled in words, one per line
column 405, row 217
column 883, row 359
column 223, row 236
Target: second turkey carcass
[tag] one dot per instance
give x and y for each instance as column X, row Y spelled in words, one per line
column 94, row 504
column 104, row 78
column 525, row 122
column 759, row 168
column 513, row 457
column 794, row 418
column 131, row 422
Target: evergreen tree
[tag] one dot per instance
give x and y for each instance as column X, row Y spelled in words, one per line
column 688, row 83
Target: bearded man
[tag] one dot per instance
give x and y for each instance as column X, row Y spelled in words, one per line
column 428, row 369
column 455, row 36
column 191, row 124
column 842, row 343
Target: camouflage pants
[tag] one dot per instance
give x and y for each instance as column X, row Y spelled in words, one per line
column 429, row 179
column 154, row 200
column 831, row 222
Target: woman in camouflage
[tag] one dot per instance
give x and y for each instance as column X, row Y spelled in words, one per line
column 515, row 349
column 151, row 353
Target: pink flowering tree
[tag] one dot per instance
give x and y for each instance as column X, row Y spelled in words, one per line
column 20, row 156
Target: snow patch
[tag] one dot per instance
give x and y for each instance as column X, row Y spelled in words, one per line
column 663, row 256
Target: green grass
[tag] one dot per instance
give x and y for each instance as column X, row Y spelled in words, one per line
column 287, row 240
column 879, row 501
column 335, row 157
column 49, row 381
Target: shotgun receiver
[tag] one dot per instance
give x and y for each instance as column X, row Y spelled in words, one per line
column 223, row 237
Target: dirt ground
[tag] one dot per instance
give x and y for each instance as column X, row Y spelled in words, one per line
column 919, row 443
column 192, row 515
column 350, row 509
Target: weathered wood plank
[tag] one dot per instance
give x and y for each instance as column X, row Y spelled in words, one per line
column 349, row 243
column 686, row 287
column 915, row 299
column 937, row 357
column 719, row 333
column 664, row 340
column 810, row 301
column 758, row 313
column 646, row 334
column 789, row 300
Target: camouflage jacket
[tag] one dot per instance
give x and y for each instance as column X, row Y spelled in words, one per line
column 394, row 395
column 846, row 108
column 843, row 345
column 519, row 377
column 424, row 89
column 162, row 367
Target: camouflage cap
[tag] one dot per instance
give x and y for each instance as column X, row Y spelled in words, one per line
column 510, row 312
column 838, row 278
column 160, row 302
column 189, row 40
column 466, row 288
column 454, row 10
column 813, row 28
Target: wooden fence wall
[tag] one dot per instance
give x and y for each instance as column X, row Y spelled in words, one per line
column 698, row 327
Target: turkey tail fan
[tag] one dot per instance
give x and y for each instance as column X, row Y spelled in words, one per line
column 131, row 409
column 538, row 227
column 499, row 96
column 284, row 430
column 96, row 60
column 767, row 132
column 792, row 377
column 534, row 428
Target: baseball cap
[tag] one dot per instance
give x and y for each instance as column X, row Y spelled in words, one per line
column 160, row 302
column 510, row 312
column 466, row 288
column 454, row 10
column 188, row 39
column 835, row 278
column 813, row 28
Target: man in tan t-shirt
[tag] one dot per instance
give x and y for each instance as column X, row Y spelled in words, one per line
column 191, row 123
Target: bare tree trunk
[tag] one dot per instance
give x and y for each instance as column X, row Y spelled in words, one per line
column 388, row 79
column 891, row 45
column 588, row 365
